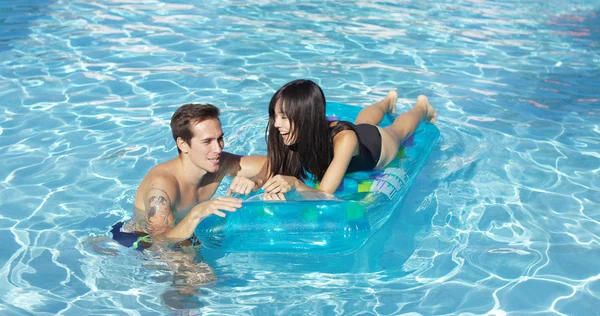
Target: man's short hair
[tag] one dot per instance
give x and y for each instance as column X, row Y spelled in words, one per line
column 188, row 115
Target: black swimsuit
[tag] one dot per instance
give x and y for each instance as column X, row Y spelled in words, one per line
column 369, row 145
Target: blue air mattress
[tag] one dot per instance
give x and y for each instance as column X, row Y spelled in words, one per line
column 311, row 222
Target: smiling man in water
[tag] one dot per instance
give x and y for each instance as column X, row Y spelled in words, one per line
column 166, row 204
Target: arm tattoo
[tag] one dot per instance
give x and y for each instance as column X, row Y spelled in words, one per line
column 158, row 213
column 158, row 204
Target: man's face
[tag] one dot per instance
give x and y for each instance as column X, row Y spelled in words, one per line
column 206, row 145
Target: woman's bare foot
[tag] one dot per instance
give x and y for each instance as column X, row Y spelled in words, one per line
column 390, row 101
column 374, row 113
column 430, row 112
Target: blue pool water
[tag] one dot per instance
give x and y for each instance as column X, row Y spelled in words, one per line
column 503, row 220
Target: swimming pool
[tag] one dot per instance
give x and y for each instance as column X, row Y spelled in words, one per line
column 505, row 218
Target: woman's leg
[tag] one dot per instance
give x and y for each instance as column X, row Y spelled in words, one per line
column 373, row 114
column 406, row 123
column 404, row 126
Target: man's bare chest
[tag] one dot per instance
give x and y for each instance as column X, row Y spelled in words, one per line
column 194, row 195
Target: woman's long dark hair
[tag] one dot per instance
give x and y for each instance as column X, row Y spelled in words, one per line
column 303, row 102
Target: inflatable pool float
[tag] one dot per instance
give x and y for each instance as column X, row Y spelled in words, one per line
column 313, row 222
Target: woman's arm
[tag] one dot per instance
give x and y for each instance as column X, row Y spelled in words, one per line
column 345, row 146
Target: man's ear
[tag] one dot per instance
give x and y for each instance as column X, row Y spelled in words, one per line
column 182, row 145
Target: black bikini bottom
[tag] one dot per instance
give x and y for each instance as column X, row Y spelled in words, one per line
column 370, row 149
column 371, row 138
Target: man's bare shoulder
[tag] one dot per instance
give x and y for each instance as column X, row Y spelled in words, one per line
column 162, row 176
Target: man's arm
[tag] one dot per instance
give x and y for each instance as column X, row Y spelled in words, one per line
column 161, row 221
column 252, row 166
column 243, row 166
column 159, row 215
column 249, row 172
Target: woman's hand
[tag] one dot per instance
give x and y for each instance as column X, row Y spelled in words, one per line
column 280, row 184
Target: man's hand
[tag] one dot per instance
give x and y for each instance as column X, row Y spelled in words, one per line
column 241, row 185
column 216, row 205
column 280, row 184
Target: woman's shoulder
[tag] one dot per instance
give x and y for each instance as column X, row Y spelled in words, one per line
column 344, row 134
column 336, row 127
column 340, row 123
